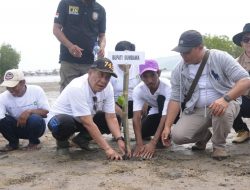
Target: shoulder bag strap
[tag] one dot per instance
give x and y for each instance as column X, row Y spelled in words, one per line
column 197, row 76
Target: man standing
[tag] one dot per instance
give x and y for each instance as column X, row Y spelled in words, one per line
column 214, row 100
column 22, row 111
column 242, row 39
column 155, row 92
column 87, row 106
column 78, row 25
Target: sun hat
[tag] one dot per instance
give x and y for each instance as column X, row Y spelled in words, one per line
column 104, row 65
column 149, row 65
column 188, row 40
column 12, row 77
column 238, row 37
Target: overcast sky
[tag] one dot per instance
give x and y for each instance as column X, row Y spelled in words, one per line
column 154, row 26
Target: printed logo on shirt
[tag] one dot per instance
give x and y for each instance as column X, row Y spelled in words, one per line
column 215, row 75
column 73, row 10
column 26, row 106
column 94, row 15
column 57, row 15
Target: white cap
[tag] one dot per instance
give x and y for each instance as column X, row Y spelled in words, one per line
column 12, row 78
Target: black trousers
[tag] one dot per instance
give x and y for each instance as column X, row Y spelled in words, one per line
column 63, row 126
column 150, row 123
column 239, row 124
column 130, row 108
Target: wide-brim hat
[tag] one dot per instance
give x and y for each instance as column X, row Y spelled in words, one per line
column 238, row 37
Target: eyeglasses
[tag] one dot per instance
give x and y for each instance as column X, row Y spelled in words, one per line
column 245, row 39
column 95, row 103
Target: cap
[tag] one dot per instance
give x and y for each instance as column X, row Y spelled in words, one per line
column 124, row 45
column 188, row 40
column 149, row 65
column 12, row 78
column 104, row 65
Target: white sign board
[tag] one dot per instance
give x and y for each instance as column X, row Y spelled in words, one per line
column 127, row 57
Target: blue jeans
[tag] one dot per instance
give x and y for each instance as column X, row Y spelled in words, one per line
column 34, row 129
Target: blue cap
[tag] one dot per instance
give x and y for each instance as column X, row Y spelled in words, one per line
column 188, row 40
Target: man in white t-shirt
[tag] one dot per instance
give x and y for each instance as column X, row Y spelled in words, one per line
column 155, row 92
column 22, row 111
column 87, row 106
column 117, row 83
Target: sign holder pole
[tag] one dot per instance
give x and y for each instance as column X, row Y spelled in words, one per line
column 123, row 58
column 125, row 106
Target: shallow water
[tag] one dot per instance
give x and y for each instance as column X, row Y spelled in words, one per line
column 42, row 78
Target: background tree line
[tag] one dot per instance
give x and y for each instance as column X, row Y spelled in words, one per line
column 222, row 43
column 10, row 58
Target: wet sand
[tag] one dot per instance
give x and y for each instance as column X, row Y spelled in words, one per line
column 174, row 168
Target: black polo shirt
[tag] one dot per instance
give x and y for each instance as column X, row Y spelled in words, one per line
column 81, row 25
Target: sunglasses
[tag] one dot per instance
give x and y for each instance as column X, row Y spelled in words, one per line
column 245, row 39
column 95, row 103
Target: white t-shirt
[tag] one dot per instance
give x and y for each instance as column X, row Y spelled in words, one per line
column 77, row 99
column 117, row 83
column 207, row 92
column 143, row 95
column 33, row 98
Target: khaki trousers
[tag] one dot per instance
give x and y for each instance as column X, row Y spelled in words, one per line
column 194, row 127
column 69, row 71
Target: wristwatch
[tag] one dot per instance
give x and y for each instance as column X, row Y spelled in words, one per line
column 119, row 138
column 227, row 98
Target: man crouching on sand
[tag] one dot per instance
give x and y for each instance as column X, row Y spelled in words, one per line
column 23, row 109
column 214, row 101
column 87, row 106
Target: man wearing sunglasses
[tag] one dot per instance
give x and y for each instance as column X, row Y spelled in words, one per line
column 242, row 39
column 87, row 106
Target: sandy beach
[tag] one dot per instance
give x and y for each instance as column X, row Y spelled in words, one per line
column 176, row 168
